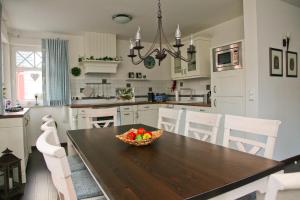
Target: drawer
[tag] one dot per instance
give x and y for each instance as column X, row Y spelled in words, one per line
column 82, row 111
column 11, row 122
column 127, row 108
column 148, row 107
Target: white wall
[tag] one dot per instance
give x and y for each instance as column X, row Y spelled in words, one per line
column 279, row 97
column 226, row 32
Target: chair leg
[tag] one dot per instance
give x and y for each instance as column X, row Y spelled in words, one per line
column 60, row 196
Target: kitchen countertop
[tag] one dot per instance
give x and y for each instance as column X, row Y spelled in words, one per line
column 200, row 104
column 14, row 114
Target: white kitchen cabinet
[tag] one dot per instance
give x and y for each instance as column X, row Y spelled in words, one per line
column 228, row 83
column 147, row 114
column 229, row 105
column 228, row 92
column 14, row 135
column 128, row 114
column 200, row 64
column 127, row 117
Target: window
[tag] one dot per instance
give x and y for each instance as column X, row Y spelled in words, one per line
column 28, row 75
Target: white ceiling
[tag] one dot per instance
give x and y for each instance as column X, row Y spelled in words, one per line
column 77, row 16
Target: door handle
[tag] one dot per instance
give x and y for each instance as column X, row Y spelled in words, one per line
column 215, row 87
column 215, row 102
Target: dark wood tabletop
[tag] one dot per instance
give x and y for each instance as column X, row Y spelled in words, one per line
column 173, row 167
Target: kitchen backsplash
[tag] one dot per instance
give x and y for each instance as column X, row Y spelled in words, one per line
column 141, row 86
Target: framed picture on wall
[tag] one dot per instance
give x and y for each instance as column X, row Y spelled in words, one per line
column 291, row 64
column 276, row 62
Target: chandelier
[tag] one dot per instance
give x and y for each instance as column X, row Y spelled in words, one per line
column 161, row 52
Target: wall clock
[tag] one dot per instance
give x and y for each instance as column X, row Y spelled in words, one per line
column 149, row 62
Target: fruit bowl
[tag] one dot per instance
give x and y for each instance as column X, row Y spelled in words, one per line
column 139, row 142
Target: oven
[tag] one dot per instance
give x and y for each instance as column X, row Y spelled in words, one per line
column 227, row 57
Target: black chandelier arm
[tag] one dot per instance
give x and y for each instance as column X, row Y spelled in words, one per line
column 142, row 58
column 176, row 55
column 136, row 62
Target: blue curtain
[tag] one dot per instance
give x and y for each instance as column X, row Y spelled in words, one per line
column 55, row 72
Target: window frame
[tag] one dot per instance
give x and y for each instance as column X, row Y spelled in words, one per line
column 14, row 68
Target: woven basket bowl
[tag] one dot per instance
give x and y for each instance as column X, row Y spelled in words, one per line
column 155, row 135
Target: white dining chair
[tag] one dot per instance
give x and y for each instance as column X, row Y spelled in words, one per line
column 202, row 126
column 251, row 126
column 101, row 118
column 46, row 118
column 70, row 186
column 168, row 119
column 74, row 160
column 282, row 187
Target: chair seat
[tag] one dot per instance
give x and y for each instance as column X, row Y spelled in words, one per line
column 85, row 186
column 75, row 163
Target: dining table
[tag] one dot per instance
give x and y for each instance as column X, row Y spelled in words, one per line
column 172, row 167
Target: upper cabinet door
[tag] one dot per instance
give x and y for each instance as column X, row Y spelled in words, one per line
column 200, row 63
column 176, row 68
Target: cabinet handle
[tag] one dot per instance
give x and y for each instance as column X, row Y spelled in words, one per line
column 215, row 102
column 201, row 110
column 137, row 115
column 126, row 114
column 146, row 107
column 215, row 87
column 126, row 108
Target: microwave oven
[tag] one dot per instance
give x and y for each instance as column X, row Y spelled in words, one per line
column 227, row 57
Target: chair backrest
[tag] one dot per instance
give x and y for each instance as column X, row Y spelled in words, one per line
column 168, row 119
column 50, row 124
column 57, row 163
column 283, row 187
column 108, row 115
column 202, row 126
column 46, row 118
column 254, row 126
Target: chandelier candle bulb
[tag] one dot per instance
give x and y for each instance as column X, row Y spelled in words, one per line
column 192, row 41
column 131, row 44
column 178, row 33
column 138, row 34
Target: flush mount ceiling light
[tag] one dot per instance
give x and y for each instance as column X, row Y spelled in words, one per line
column 160, row 38
column 122, row 18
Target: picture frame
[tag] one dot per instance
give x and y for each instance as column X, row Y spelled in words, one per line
column 291, row 64
column 276, row 62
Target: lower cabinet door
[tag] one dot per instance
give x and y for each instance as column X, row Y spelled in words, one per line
column 81, row 122
column 148, row 117
column 229, row 105
column 127, row 118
